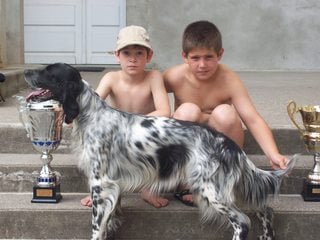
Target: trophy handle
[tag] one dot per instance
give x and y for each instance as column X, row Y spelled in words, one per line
column 292, row 109
column 23, row 115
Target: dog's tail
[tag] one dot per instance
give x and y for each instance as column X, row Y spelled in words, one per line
column 257, row 184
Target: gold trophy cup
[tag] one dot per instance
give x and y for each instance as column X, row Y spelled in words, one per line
column 310, row 134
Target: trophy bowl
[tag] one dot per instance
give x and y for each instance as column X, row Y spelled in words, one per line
column 43, row 123
column 310, row 134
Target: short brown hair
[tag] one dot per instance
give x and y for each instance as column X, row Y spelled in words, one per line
column 201, row 34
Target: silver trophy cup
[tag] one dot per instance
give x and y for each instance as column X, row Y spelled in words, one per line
column 43, row 123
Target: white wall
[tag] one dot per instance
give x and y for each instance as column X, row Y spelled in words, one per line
column 257, row 34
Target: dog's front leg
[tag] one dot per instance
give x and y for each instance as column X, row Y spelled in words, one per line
column 105, row 195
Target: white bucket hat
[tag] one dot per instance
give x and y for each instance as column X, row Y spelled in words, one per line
column 133, row 35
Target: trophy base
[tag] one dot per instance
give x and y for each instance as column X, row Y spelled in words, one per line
column 311, row 192
column 46, row 194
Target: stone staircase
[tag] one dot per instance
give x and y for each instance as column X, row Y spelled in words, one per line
column 21, row 219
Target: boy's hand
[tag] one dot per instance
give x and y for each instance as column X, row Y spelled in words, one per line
column 278, row 161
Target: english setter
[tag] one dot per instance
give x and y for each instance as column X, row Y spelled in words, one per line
column 123, row 152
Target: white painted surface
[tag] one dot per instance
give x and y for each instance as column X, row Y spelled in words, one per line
column 72, row 31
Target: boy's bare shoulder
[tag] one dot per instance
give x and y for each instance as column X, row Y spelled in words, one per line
column 152, row 76
column 231, row 80
column 110, row 77
column 112, row 74
column 176, row 72
column 227, row 74
column 153, row 72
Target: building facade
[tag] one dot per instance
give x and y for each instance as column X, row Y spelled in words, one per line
column 257, row 35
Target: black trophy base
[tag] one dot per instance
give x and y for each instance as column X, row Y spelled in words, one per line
column 46, row 194
column 311, row 192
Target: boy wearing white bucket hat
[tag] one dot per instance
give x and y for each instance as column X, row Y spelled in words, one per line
column 133, row 88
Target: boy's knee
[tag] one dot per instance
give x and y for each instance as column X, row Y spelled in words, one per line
column 188, row 112
column 225, row 119
column 224, row 116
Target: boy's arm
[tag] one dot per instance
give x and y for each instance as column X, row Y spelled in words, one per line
column 166, row 79
column 105, row 86
column 159, row 94
column 256, row 124
column 173, row 76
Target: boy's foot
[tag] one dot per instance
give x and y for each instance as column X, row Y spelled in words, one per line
column 87, row 201
column 153, row 200
column 185, row 197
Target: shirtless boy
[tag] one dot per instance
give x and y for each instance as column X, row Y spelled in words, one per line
column 209, row 92
column 134, row 89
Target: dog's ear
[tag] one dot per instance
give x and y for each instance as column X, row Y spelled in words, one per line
column 69, row 101
column 71, row 110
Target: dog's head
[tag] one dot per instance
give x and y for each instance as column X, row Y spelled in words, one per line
column 60, row 82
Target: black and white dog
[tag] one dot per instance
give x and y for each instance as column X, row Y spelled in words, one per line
column 123, row 152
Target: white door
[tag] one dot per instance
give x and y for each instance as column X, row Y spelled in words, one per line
column 104, row 19
column 72, row 31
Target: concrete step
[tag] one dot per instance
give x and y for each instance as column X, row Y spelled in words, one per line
column 14, row 79
column 21, row 219
column 13, row 136
column 18, row 171
column 270, row 92
column 14, row 140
